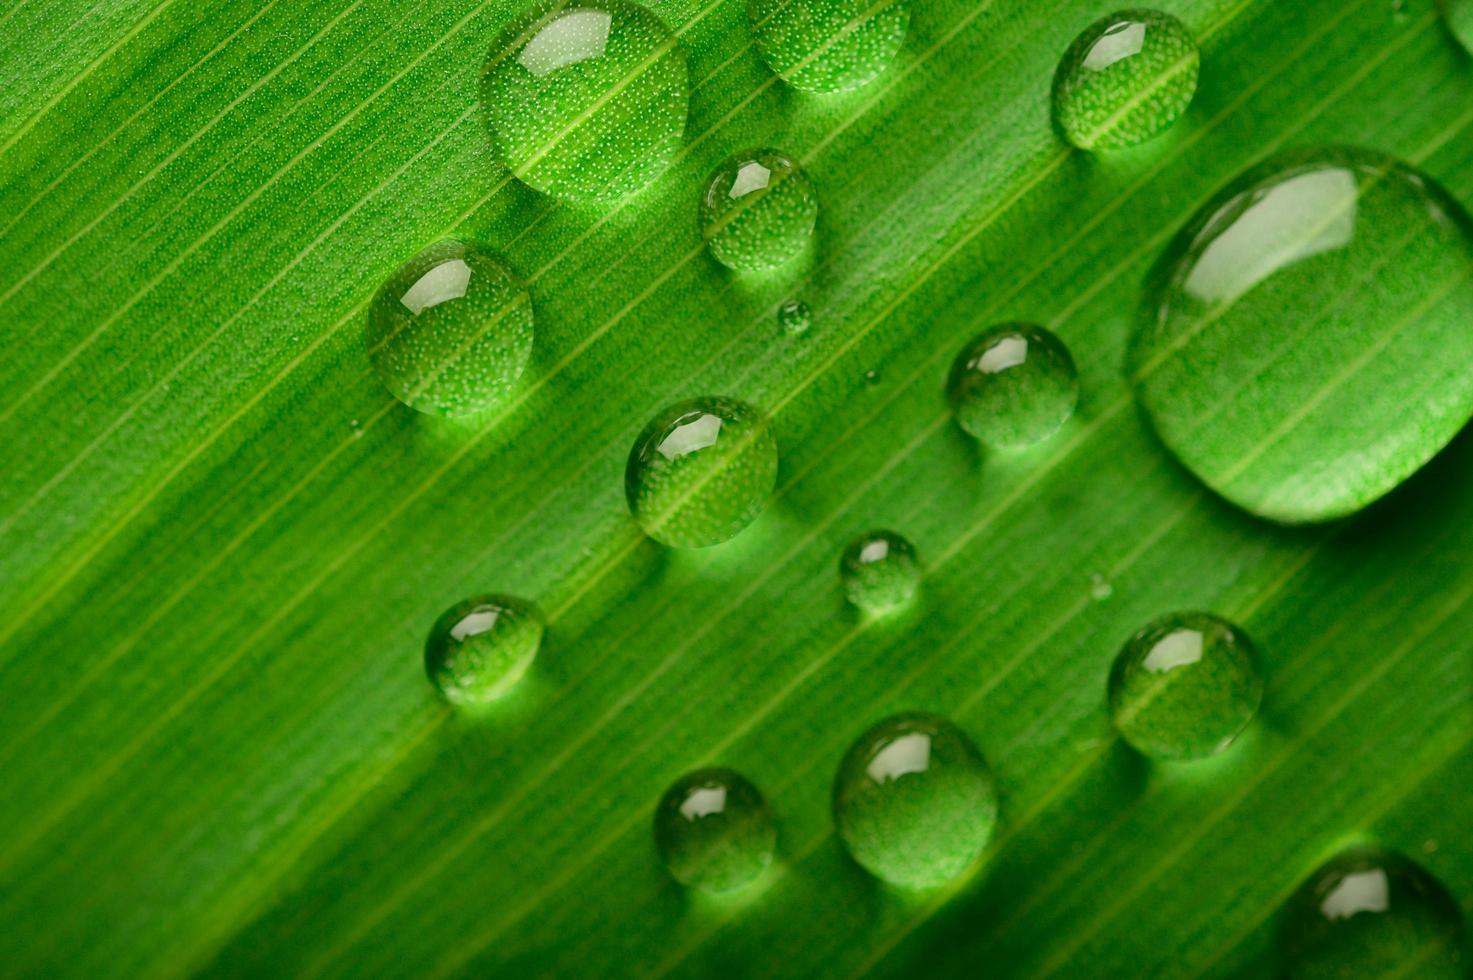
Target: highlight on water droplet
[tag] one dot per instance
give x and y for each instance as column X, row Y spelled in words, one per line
column 794, row 317
column 1458, row 14
column 1126, row 79
column 1013, row 386
column 758, row 211
column 701, row 471
column 451, row 331
column 828, row 45
column 1370, row 912
column 479, row 649
column 1185, row 686
column 1308, row 334
column 586, row 102
column 879, row 572
column 713, row 830
column 914, row 801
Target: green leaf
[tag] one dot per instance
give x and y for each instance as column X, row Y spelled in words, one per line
column 222, row 543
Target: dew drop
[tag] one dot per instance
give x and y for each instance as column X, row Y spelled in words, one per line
column 701, row 471
column 1013, row 386
column 828, row 45
column 480, row 648
column 587, row 102
column 1185, row 687
column 713, row 830
column 794, row 317
column 450, row 332
column 879, row 572
column 759, row 210
column 1459, row 17
column 1370, row 912
column 1126, row 79
column 914, row 801
column 1100, row 588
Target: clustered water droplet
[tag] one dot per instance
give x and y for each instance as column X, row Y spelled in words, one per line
column 759, row 210
column 713, row 830
column 479, row 649
column 879, row 571
column 828, row 45
column 1013, row 386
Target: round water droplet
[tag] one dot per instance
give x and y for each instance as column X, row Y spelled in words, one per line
column 914, row 801
column 1127, row 78
column 713, row 830
column 589, row 101
column 828, row 45
column 701, row 471
column 1013, row 386
column 794, row 317
column 759, row 210
column 1185, row 687
column 1369, row 912
column 451, row 331
column 1459, row 17
column 1309, row 340
column 480, row 648
column 879, row 571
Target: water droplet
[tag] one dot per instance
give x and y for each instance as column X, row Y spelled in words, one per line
column 1369, row 912
column 480, row 648
column 1100, row 588
column 1459, row 17
column 879, row 571
column 587, row 102
column 871, row 377
column 451, row 331
column 1309, row 336
column 828, row 45
column 1013, row 386
column 713, row 830
column 1185, row 687
column 794, row 317
column 914, row 801
column 759, row 210
column 1126, row 79
column 701, row 471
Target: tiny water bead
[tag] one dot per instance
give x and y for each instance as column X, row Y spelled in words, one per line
column 1307, row 345
column 879, row 571
column 450, row 332
column 794, row 317
column 1126, row 79
column 587, row 102
column 701, row 471
column 759, row 210
column 713, row 830
column 828, row 45
column 1370, row 912
column 914, row 801
column 1185, row 687
column 1013, row 386
column 480, row 648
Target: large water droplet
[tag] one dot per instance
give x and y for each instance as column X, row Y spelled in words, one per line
column 713, row 830
column 1369, row 912
column 1185, row 686
column 1013, row 386
column 701, row 471
column 587, row 102
column 1127, row 78
column 828, row 45
column 1310, row 339
column 879, row 571
column 451, row 331
column 1459, row 17
column 914, row 801
column 759, row 210
column 480, row 648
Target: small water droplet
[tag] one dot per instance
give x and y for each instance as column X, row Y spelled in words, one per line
column 478, row 649
column 758, row 211
column 356, row 428
column 1100, row 588
column 1459, row 17
column 879, row 571
column 1013, row 386
column 914, row 801
column 713, row 830
column 794, row 317
column 701, row 471
column 1126, row 79
column 871, row 377
column 1185, row 686
column 451, row 331
column 828, row 45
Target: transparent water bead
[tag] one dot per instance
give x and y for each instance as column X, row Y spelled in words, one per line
column 1013, row 386
column 794, row 317
column 479, row 649
column 1370, row 912
column 879, row 571
column 451, row 331
column 587, row 101
column 828, row 45
column 758, row 211
column 701, row 471
column 914, row 801
column 713, row 830
column 1185, row 686
column 1126, row 79
column 1308, row 339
